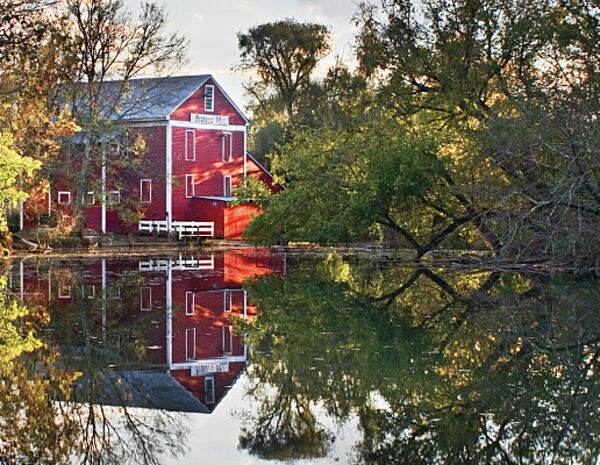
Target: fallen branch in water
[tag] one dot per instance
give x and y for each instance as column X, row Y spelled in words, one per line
column 32, row 246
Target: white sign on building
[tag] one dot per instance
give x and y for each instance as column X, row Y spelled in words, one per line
column 217, row 120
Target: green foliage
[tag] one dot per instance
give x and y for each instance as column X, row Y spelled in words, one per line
column 343, row 183
column 15, row 169
column 509, row 89
column 14, row 339
column 469, row 367
column 283, row 54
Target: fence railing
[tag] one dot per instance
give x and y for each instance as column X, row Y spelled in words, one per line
column 178, row 264
column 182, row 228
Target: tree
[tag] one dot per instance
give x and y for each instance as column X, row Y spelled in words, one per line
column 282, row 57
column 14, row 170
column 283, row 54
column 495, row 72
column 510, row 91
column 345, row 183
column 469, row 367
column 111, row 45
column 35, row 56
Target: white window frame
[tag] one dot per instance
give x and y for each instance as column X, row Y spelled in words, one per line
column 63, row 295
column 62, row 202
column 114, row 193
column 85, row 199
column 142, row 181
column 226, row 181
column 91, row 294
column 209, row 380
column 189, row 331
column 185, row 142
column 224, row 155
column 187, row 194
column 190, row 310
column 227, row 300
column 224, row 330
column 210, row 99
column 149, row 290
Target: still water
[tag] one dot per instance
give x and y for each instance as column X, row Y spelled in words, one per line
column 252, row 356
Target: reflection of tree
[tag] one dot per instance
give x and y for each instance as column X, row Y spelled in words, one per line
column 472, row 367
column 316, row 344
column 52, row 395
column 285, row 428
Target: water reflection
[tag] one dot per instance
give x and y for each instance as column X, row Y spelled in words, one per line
column 438, row 366
column 105, row 360
column 112, row 336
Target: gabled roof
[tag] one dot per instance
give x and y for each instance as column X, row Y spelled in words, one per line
column 141, row 389
column 149, row 99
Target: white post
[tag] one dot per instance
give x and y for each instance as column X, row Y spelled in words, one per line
column 245, row 156
column 21, row 216
column 103, row 191
column 169, row 305
column 245, row 314
column 169, row 175
column 104, row 300
column 22, row 278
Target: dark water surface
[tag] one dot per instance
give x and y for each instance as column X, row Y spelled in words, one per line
column 251, row 356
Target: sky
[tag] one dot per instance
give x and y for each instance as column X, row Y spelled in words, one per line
column 211, row 27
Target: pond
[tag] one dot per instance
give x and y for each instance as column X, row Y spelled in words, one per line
column 251, row 356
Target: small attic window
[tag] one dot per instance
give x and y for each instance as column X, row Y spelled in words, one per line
column 209, row 98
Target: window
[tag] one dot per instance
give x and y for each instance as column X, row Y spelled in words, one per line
column 190, row 344
column 190, row 145
column 209, row 390
column 89, row 199
column 113, row 197
column 227, row 300
column 227, row 337
column 146, row 299
column 227, row 186
column 190, row 303
column 226, row 146
column 189, row 186
column 64, row 292
column 146, row 190
column 209, row 98
column 89, row 292
column 64, row 198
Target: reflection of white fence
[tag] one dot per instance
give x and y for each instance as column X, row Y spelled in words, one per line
column 204, row 368
column 178, row 264
column 182, row 228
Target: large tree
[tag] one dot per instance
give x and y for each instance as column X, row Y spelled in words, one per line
column 283, row 54
column 36, row 55
column 518, row 84
column 509, row 89
column 112, row 44
column 281, row 57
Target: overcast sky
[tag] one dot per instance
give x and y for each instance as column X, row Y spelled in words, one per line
column 212, row 26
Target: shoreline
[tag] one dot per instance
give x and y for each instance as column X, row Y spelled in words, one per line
column 458, row 260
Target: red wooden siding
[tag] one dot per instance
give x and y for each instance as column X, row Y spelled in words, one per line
column 204, row 162
column 195, row 104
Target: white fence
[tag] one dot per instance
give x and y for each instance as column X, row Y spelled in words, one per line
column 178, row 264
column 182, row 228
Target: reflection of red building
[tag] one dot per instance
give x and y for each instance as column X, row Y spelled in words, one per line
column 181, row 309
